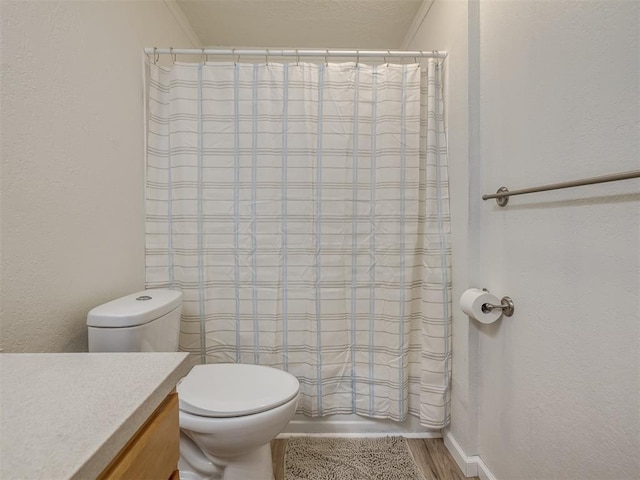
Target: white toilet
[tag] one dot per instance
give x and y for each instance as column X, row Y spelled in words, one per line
column 229, row 413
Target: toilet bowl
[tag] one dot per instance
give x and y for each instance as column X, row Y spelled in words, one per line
column 229, row 413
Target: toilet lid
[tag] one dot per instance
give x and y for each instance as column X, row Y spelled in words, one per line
column 234, row 389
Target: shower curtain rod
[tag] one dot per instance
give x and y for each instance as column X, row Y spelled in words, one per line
column 274, row 52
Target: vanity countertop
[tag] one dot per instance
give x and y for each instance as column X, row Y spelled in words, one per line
column 67, row 415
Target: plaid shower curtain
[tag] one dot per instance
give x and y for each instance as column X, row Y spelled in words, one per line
column 303, row 211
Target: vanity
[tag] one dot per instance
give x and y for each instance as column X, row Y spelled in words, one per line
column 90, row 415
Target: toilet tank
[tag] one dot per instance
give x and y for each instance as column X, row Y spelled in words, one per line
column 147, row 321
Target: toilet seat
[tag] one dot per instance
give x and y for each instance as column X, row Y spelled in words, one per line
column 234, row 389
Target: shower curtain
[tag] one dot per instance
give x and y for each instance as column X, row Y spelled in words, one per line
column 302, row 209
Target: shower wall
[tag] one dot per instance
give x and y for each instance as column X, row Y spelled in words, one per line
column 553, row 89
column 72, row 172
column 445, row 28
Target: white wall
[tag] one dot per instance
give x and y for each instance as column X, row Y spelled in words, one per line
column 552, row 93
column 72, row 162
column 558, row 85
column 445, row 28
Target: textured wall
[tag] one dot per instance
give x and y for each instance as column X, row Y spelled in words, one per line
column 366, row 24
column 559, row 394
column 72, row 162
column 445, row 28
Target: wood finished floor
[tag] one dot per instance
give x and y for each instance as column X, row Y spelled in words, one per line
column 431, row 456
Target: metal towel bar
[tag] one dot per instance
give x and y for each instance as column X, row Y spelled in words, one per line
column 503, row 193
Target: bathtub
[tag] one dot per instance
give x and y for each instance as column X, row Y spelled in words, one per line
column 355, row 426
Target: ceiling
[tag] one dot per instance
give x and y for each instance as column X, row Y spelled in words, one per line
column 354, row 24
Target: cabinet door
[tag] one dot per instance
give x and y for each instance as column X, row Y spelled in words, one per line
column 154, row 450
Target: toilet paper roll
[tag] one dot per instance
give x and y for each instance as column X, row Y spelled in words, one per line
column 471, row 303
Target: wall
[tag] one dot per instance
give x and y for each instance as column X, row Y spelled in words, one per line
column 364, row 24
column 443, row 25
column 551, row 93
column 558, row 85
column 72, row 161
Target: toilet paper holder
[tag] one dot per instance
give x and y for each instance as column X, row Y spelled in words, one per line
column 506, row 304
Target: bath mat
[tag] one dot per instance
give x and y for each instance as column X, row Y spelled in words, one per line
column 310, row 458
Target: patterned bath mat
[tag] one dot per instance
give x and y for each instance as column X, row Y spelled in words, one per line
column 309, row 458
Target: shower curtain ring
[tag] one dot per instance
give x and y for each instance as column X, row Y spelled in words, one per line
column 326, row 58
column 233, row 56
column 297, row 58
column 357, row 58
column 155, row 55
column 266, row 59
column 173, row 56
column 387, row 59
column 204, row 57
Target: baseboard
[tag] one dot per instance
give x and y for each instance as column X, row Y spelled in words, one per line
column 471, row 466
column 468, row 465
column 483, row 471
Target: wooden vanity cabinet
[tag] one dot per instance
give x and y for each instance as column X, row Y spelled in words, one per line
column 153, row 452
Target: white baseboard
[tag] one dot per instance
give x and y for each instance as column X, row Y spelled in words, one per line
column 483, row 471
column 468, row 465
column 471, row 466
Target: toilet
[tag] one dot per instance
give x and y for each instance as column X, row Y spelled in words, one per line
column 229, row 413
